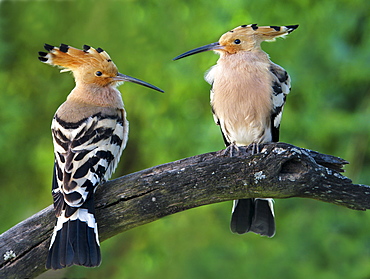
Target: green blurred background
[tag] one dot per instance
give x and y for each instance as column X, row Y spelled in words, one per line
column 328, row 110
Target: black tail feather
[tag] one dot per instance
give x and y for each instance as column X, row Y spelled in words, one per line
column 263, row 221
column 53, row 256
column 66, row 250
column 242, row 215
column 80, row 254
column 74, row 244
column 255, row 215
column 74, row 241
column 94, row 257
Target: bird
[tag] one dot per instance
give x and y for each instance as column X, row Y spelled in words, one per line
column 248, row 93
column 89, row 132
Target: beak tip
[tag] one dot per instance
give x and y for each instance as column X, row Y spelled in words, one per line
column 213, row 46
column 122, row 77
column 178, row 57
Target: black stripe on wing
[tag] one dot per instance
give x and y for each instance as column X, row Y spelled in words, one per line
column 275, row 131
column 280, row 73
column 280, row 88
column 57, row 195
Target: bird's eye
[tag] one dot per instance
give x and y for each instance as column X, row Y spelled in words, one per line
column 98, row 73
column 237, row 41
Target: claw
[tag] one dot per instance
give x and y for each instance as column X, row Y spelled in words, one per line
column 255, row 148
column 231, row 150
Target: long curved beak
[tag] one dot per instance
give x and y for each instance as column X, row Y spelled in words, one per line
column 213, row 46
column 122, row 77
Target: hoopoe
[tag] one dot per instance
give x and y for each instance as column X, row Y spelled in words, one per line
column 247, row 98
column 89, row 132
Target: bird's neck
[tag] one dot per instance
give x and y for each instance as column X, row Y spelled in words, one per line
column 242, row 57
column 102, row 96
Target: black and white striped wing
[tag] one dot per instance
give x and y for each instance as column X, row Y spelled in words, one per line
column 280, row 88
column 86, row 154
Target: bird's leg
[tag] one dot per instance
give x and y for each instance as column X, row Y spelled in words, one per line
column 231, row 150
column 255, row 147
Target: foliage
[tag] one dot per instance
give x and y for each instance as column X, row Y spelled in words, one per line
column 328, row 110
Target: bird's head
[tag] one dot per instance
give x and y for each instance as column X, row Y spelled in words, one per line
column 243, row 38
column 89, row 66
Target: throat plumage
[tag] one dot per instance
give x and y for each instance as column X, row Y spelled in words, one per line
column 97, row 95
column 242, row 102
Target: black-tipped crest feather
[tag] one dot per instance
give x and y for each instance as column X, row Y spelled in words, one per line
column 86, row 47
column 254, row 27
column 43, row 59
column 48, row 47
column 64, row 48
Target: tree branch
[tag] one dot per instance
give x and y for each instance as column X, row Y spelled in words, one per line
column 279, row 171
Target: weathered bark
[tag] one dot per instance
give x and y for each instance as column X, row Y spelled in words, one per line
column 279, row 171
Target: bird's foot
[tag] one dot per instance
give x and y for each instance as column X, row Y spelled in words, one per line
column 255, row 148
column 231, row 151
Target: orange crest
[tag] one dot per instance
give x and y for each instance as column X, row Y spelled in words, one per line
column 248, row 37
column 72, row 59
